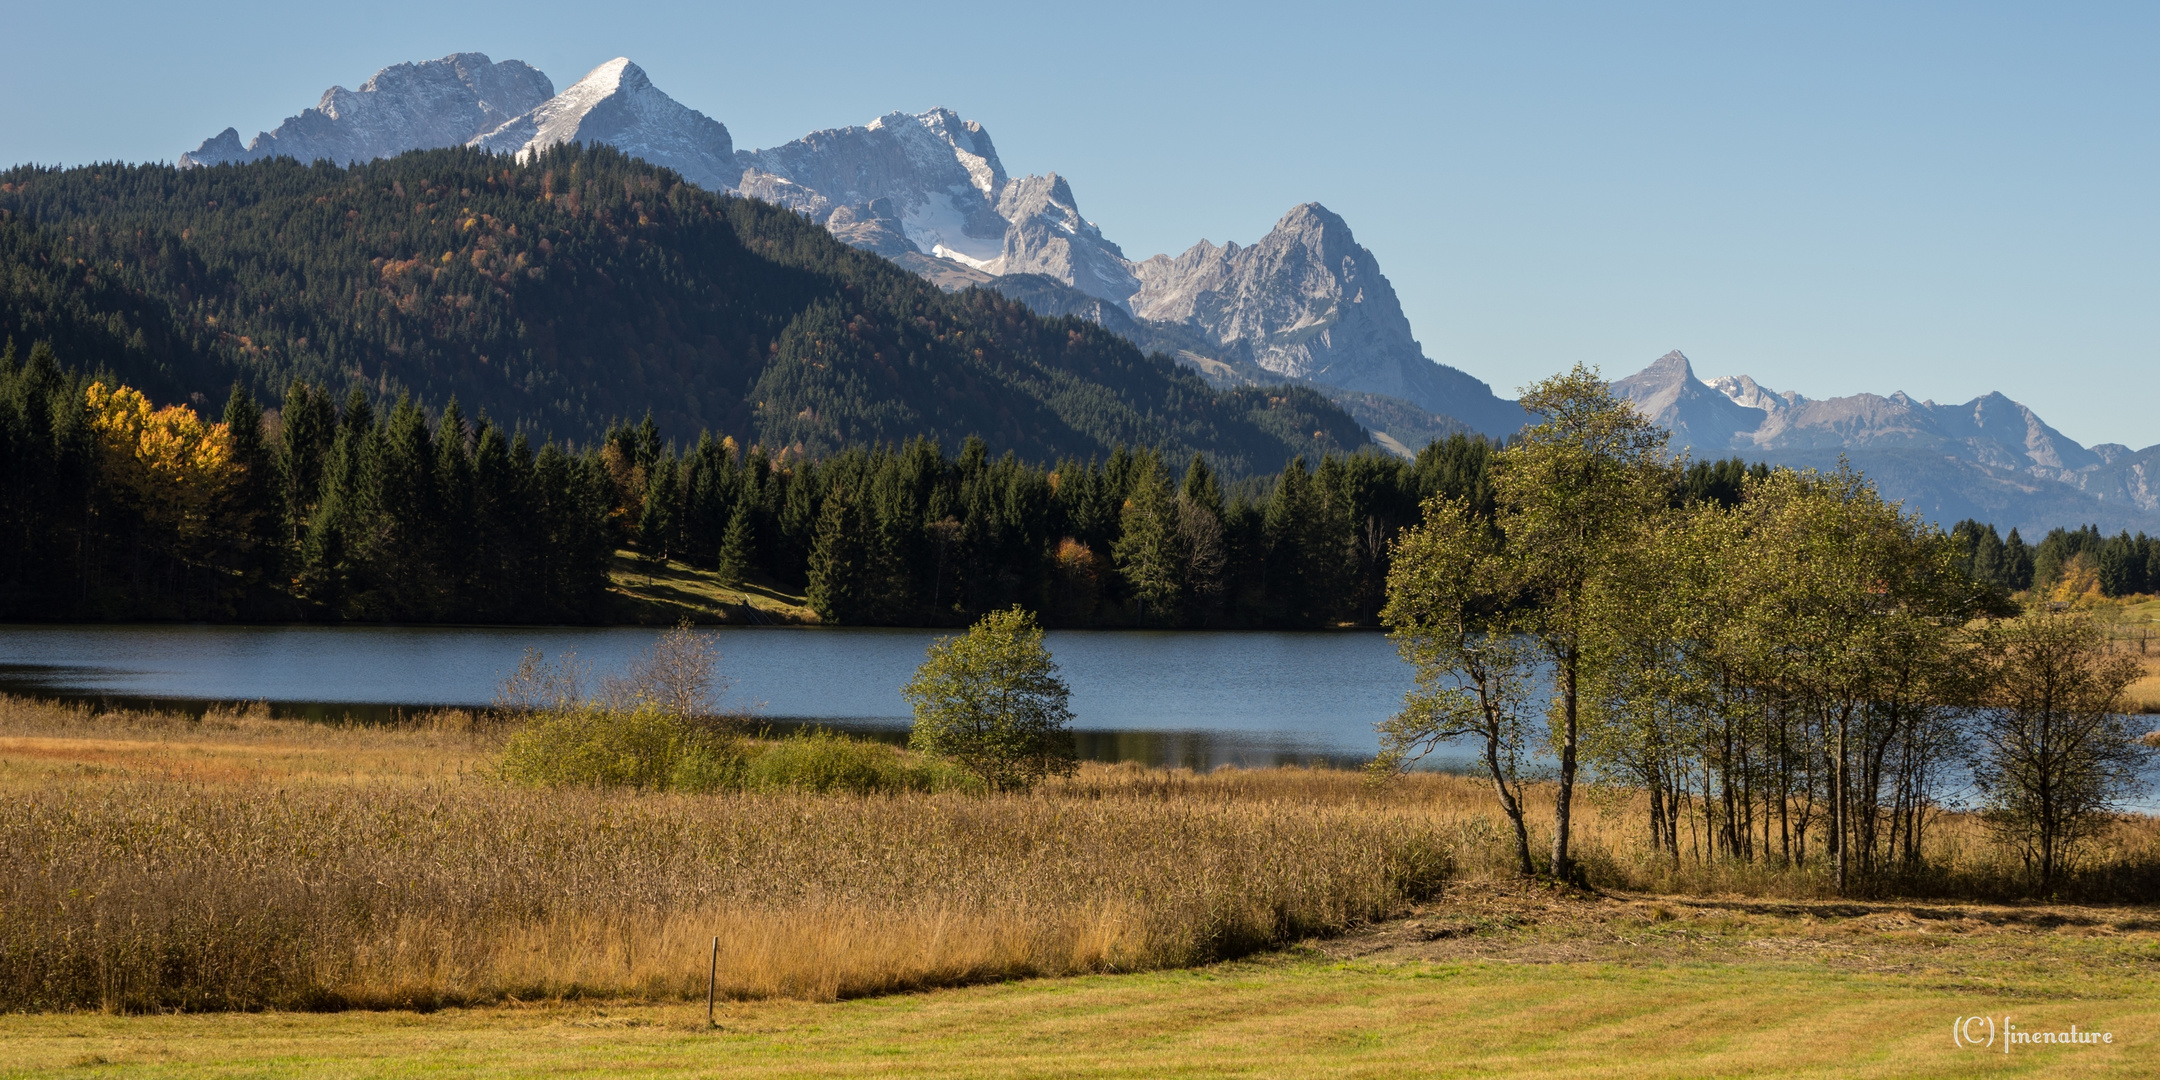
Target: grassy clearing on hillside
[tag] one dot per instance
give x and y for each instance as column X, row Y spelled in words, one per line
column 652, row 594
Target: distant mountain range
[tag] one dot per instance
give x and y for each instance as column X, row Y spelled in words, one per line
column 1990, row 458
column 1306, row 304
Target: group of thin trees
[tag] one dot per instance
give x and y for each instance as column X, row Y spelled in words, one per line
column 1799, row 676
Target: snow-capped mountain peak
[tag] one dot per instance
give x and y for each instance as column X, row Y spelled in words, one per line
column 934, row 137
column 403, row 107
column 928, row 190
column 617, row 104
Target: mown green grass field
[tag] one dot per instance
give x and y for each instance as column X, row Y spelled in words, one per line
column 1293, row 1015
column 1497, row 980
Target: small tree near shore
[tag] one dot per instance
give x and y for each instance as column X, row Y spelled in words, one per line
column 991, row 701
column 1447, row 591
column 2057, row 756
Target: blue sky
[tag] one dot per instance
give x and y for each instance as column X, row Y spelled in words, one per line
column 1941, row 198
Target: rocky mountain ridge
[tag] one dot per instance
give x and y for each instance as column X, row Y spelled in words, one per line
column 1990, row 458
column 423, row 106
column 1304, row 304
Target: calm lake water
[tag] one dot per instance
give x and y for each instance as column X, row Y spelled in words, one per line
column 1181, row 697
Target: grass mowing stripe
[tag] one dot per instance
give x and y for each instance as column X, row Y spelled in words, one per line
column 1281, row 1018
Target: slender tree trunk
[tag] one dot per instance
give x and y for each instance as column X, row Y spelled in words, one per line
column 1838, row 809
column 1508, row 802
column 1657, row 813
column 1564, row 801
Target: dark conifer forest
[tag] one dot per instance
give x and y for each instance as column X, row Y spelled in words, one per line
column 454, row 385
column 113, row 506
column 558, row 295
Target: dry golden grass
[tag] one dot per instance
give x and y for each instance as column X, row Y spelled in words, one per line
column 43, row 741
column 150, row 861
column 184, row 883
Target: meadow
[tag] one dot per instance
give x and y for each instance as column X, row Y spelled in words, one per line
column 155, row 862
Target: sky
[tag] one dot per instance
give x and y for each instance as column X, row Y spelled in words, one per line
column 1945, row 199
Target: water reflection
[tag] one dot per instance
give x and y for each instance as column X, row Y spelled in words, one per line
column 1160, row 697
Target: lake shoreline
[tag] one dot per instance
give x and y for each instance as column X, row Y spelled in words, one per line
column 1194, row 698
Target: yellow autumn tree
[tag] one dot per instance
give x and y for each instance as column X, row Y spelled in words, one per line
column 2079, row 582
column 165, row 463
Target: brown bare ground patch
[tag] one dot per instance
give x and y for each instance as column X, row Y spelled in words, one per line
column 1538, row 923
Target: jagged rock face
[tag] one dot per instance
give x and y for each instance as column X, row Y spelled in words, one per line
column 928, row 191
column 876, row 227
column 939, row 175
column 1046, row 235
column 1308, row 302
column 949, row 194
column 404, row 107
column 618, row 105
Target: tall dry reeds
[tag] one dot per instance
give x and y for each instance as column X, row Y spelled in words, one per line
column 240, row 861
column 142, row 895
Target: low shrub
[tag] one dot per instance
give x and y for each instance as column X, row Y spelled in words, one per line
column 649, row 749
column 824, row 761
column 595, row 746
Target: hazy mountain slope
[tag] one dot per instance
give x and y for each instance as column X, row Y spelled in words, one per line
column 578, row 286
column 1990, row 458
column 1401, row 426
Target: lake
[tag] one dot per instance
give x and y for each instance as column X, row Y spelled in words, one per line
column 1197, row 698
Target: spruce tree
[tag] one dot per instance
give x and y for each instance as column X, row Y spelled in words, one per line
column 453, row 546
column 839, row 560
column 2017, row 563
column 1200, row 488
column 1149, row 550
column 736, row 545
column 252, row 528
column 309, row 423
column 656, row 523
column 402, row 541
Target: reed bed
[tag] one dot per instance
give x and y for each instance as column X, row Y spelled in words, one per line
column 385, row 867
column 150, row 894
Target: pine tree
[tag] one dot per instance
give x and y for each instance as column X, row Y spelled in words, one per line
column 736, row 546
column 453, row 546
column 656, row 523
column 1149, row 551
column 839, row 560
column 250, row 537
column 309, row 422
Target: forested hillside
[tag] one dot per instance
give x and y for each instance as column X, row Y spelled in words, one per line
column 558, row 295
column 117, row 506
